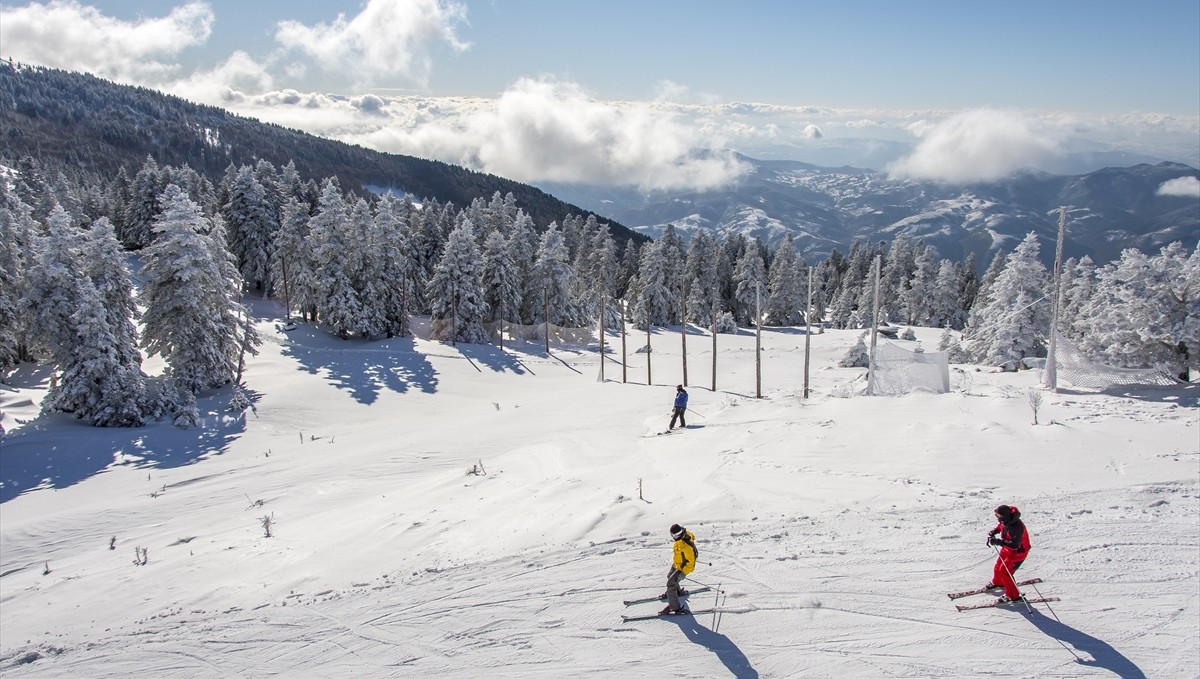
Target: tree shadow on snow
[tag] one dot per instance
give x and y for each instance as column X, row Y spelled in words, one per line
column 58, row 451
column 1103, row 655
column 729, row 654
column 365, row 368
column 496, row 359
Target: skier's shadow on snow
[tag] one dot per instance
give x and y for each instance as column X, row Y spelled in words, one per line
column 1103, row 655
column 727, row 651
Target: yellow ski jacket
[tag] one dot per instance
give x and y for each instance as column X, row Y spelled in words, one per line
column 685, row 553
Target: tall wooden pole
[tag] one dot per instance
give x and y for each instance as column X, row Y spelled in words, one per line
column 624, row 362
column 757, row 340
column 714, row 340
column 683, row 335
column 649, row 351
column 601, row 335
column 546, row 318
column 1051, row 360
column 287, row 306
column 808, row 331
column 874, row 326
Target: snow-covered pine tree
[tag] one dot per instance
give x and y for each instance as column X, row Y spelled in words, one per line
column 67, row 317
column 290, row 184
column 601, row 271
column 334, row 252
column 366, row 272
column 953, row 348
column 501, row 284
column 700, row 272
column 17, row 233
column 1015, row 323
column 251, row 219
column 945, row 297
column 969, row 271
column 675, row 256
column 236, row 337
column 584, row 295
column 654, row 300
column 857, row 355
column 522, row 248
column 292, row 273
column 552, row 276
column 137, row 229
column 455, row 292
column 1077, row 285
column 32, row 189
column 192, row 315
column 730, row 251
column 66, row 194
column 1145, row 311
column 983, row 292
column 917, row 295
column 895, row 277
column 843, row 307
column 116, row 198
column 427, row 241
column 829, row 276
column 195, row 185
column 751, row 278
column 105, row 265
column 785, row 299
column 390, row 240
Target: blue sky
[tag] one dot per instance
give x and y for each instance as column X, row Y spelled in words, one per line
column 1053, row 85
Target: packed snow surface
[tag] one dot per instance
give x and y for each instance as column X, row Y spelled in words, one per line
column 467, row 511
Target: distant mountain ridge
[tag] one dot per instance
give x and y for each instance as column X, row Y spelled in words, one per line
column 826, row 208
column 99, row 126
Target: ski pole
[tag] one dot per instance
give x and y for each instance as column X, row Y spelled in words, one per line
column 703, row 584
column 693, row 411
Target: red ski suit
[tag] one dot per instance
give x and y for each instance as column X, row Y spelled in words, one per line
column 1014, row 541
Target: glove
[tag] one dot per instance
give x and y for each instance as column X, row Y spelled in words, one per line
column 995, row 542
column 992, row 537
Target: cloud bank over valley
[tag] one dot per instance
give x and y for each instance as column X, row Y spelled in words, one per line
column 548, row 128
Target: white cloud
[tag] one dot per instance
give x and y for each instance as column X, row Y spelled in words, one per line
column 387, row 38
column 368, row 103
column 542, row 130
column 1187, row 187
column 812, row 132
column 226, row 84
column 65, row 34
column 976, row 146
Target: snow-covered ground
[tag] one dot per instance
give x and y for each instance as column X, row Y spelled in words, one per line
column 833, row 525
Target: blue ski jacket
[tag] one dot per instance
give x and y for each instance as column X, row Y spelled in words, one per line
column 681, row 399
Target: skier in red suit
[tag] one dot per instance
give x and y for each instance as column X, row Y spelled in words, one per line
column 1013, row 540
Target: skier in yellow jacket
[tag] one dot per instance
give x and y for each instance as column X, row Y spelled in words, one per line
column 684, row 562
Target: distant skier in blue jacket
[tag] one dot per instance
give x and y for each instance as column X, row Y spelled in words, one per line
column 680, row 407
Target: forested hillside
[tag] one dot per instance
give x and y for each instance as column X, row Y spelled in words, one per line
column 97, row 126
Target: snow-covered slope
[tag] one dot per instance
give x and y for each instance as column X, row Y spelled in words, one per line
column 833, row 525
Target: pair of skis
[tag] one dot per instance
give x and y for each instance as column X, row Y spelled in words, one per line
column 632, row 602
column 997, row 602
column 953, row 595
